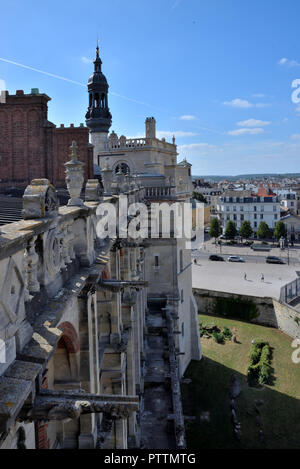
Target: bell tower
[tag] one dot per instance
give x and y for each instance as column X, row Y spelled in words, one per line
column 98, row 116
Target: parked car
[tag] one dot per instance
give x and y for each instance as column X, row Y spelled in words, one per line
column 274, row 260
column 215, row 257
column 207, row 230
column 223, row 237
column 235, row 259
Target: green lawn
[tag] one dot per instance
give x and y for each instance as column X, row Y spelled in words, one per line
column 280, row 412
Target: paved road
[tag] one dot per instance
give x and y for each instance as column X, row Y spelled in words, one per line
column 255, row 258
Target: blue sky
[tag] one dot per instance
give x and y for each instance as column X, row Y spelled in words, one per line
column 216, row 73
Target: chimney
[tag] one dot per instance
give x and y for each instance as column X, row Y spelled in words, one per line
column 150, row 127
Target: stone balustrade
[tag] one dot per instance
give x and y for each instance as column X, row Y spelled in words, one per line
column 159, row 192
column 126, row 143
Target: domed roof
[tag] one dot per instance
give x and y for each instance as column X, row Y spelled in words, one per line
column 97, row 78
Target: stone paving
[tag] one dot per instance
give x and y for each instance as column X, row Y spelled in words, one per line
column 229, row 277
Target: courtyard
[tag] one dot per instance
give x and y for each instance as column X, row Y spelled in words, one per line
column 230, row 277
column 207, row 399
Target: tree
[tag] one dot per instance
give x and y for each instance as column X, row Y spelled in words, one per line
column 246, row 229
column 263, row 231
column 231, row 230
column 280, row 230
column 215, row 228
column 200, row 197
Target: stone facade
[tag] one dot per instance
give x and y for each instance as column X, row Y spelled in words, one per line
column 73, row 322
column 31, row 147
column 93, row 328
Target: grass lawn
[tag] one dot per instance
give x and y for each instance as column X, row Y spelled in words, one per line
column 280, row 412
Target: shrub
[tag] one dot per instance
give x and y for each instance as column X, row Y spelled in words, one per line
column 254, row 355
column 259, row 370
column 227, row 333
column 219, row 337
column 264, row 374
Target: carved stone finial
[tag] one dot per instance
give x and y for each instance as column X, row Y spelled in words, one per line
column 74, row 177
column 74, row 148
column 39, row 200
column 92, row 190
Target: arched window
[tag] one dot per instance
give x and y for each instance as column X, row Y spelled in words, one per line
column 122, row 168
column 96, row 100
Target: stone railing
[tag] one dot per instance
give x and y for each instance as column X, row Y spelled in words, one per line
column 160, row 192
column 124, row 143
column 127, row 143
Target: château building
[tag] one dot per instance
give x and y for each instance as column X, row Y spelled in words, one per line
column 95, row 332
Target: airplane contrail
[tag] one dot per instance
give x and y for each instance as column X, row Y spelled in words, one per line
column 41, row 71
column 59, row 77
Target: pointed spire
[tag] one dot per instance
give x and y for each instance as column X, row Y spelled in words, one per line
column 97, row 48
column 97, row 61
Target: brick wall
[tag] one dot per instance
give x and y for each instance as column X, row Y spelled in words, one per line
column 63, row 137
column 31, row 147
column 24, row 141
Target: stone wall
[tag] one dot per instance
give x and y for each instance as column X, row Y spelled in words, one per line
column 288, row 319
column 205, row 300
column 272, row 313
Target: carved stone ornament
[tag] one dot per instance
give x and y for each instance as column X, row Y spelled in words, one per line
column 74, row 177
column 92, row 190
column 39, row 200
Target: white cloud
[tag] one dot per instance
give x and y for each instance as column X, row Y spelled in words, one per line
column 242, row 103
column 260, row 105
column 253, row 123
column 176, row 133
column 288, row 62
column 187, row 117
column 199, row 148
column 246, row 131
column 86, row 60
column 295, row 137
column 258, row 95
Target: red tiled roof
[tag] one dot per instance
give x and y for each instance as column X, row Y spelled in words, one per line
column 263, row 192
